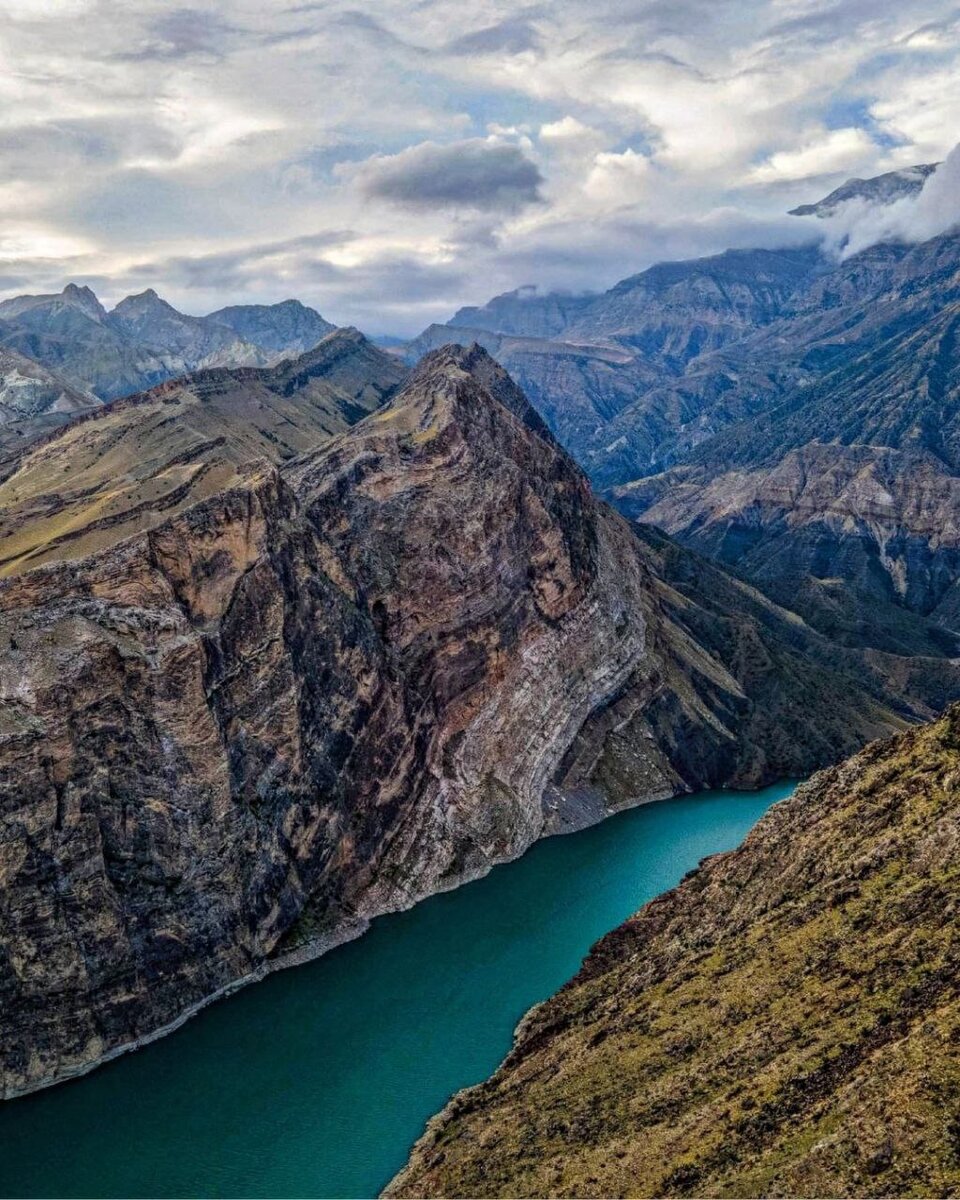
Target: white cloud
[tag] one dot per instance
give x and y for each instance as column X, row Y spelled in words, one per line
column 43, row 10
column 569, row 132
column 934, row 210
column 922, row 112
column 616, row 180
column 829, row 152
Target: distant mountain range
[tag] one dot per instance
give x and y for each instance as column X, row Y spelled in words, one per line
column 791, row 415
column 92, row 355
column 619, row 382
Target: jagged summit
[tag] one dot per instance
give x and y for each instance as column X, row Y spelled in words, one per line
column 145, row 340
column 148, row 298
column 85, row 299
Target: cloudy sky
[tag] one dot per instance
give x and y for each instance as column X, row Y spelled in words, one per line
column 389, row 160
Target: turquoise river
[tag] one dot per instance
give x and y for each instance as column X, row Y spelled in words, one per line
column 317, row 1081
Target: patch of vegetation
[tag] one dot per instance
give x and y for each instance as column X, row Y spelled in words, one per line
column 785, row 1023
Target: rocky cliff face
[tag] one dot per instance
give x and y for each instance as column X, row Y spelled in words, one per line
column 852, row 477
column 29, row 391
column 331, row 689
column 609, row 373
column 784, row 1023
column 883, row 521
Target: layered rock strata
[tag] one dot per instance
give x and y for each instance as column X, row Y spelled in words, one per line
column 333, row 688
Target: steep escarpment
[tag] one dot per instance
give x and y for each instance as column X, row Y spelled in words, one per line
column 784, row 1023
column 333, row 688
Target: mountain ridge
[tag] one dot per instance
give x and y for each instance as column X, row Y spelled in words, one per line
column 144, row 340
column 135, row 461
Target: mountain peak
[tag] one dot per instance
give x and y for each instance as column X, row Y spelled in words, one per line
column 283, row 328
column 454, row 360
column 83, row 298
column 141, row 301
column 879, row 189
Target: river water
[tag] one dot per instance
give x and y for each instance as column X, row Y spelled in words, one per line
column 317, row 1081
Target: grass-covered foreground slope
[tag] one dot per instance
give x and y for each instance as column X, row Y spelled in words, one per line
column 786, row 1022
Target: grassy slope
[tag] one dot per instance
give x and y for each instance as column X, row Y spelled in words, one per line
column 141, row 460
column 786, row 1022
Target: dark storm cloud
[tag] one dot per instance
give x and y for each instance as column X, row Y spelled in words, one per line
column 475, row 174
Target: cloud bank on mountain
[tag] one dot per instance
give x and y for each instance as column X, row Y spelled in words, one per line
column 934, row 210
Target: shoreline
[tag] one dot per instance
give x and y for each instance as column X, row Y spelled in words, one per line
column 350, row 930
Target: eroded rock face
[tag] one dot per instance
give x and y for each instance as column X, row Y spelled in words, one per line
column 338, row 687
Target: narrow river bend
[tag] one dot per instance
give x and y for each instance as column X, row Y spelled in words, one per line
column 317, row 1081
